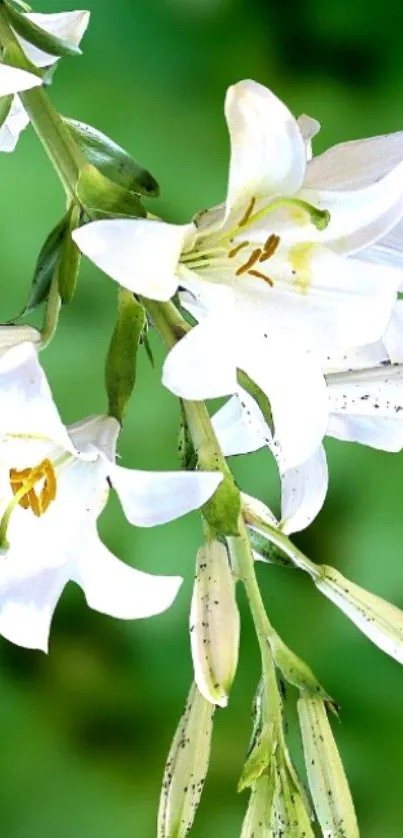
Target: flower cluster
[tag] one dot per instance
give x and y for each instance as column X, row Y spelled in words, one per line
column 284, row 300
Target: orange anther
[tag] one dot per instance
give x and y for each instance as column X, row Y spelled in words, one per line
column 267, row 279
column 244, row 220
column 253, row 258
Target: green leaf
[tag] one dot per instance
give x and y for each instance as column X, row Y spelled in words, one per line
column 186, row 450
column 258, row 395
column 101, row 198
column 121, row 360
column 259, row 757
column 223, row 509
column 46, row 265
column 68, row 264
column 32, row 33
column 296, row 671
column 112, row 160
column 5, row 108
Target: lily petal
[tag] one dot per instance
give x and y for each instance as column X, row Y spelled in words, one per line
column 303, row 492
column 16, row 121
column 12, row 80
column 27, row 603
column 362, row 216
column 114, row 588
column 28, row 408
column 140, row 255
column 309, row 127
column 99, row 432
column 150, row 498
column 393, row 337
column 240, row 426
column 388, row 250
column 384, row 434
column 296, row 389
column 202, row 364
column 355, row 164
column 267, row 148
column 69, row 26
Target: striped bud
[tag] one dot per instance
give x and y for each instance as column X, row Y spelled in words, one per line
column 186, row 768
column 214, row 624
column 327, row 780
column 381, row 621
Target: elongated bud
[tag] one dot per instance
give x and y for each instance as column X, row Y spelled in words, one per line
column 327, row 781
column 214, row 624
column 186, row 768
column 381, row 621
column 289, row 814
column 258, row 815
column 121, row 360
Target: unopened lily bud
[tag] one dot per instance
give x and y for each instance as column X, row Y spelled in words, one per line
column 289, row 812
column 327, row 780
column 257, row 818
column 214, row 624
column 186, row 768
column 381, row 621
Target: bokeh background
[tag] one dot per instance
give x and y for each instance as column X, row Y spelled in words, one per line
column 84, row 732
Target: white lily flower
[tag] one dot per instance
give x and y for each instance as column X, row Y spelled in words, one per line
column 365, row 405
column 54, row 485
column 13, row 80
column 267, row 273
column 69, row 26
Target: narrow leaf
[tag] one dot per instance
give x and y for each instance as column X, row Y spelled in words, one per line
column 222, row 510
column 295, row 670
column 327, row 781
column 121, row 360
column 46, row 266
column 68, row 265
column 112, row 160
column 33, row 33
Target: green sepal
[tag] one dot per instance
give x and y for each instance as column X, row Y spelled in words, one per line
column 5, row 108
column 19, row 6
column 259, row 757
column 258, row 395
column 112, row 160
column 33, row 33
column 222, row 510
column 121, row 360
column 186, row 450
column 46, row 265
column 147, row 346
column 68, row 264
column 101, row 198
column 268, row 552
column 296, row 671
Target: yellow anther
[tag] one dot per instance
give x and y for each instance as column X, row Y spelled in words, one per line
column 270, row 247
column 23, row 484
column 259, row 275
column 245, row 218
column 253, row 258
column 236, row 249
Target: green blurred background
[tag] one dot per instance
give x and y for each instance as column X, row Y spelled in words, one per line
column 84, row 732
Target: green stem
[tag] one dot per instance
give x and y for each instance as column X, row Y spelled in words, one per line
column 61, row 149
column 283, row 543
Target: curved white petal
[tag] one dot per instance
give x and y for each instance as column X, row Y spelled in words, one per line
column 296, row 390
column 393, row 337
column 69, row 26
column 96, row 432
column 27, row 603
column 383, row 434
column 13, row 80
column 240, row 426
column 267, row 148
column 309, row 127
column 367, row 406
column 326, row 300
column 141, row 255
column 360, row 357
column 388, row 250
column 362, row 216
column 16, row 121
column 303, row 492
column 27, row 406
column 203, row 364
column 150, row 498
column 355, row 164
column 116, row 589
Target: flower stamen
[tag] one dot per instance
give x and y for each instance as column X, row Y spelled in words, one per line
column 270, row 247
column 236, row 249
column 23, row 483
column 259, row 275
column 253, row 258
column 245, row 218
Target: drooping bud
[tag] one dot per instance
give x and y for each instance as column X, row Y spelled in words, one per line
column 186, row 768
column 257, row 818
column 327, row 781
column 214, row 624
column 381, row 621
column 289, row 813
